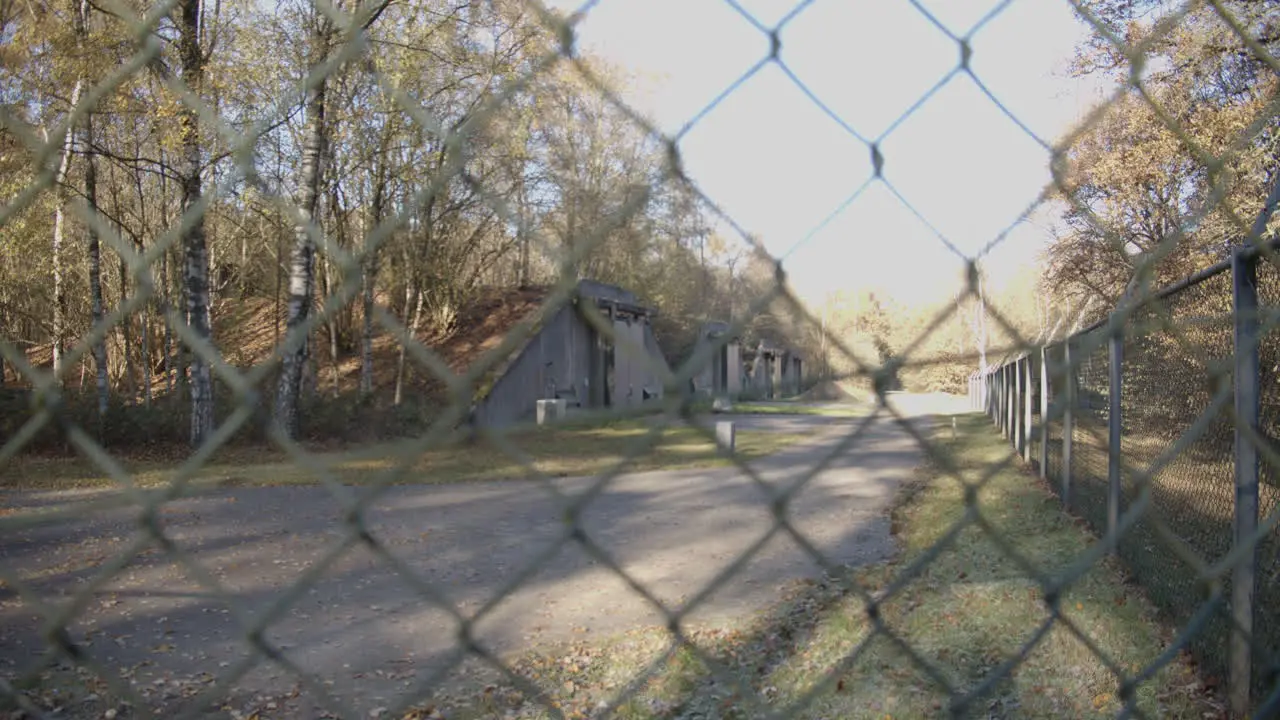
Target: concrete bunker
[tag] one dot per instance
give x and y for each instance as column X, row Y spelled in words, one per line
column 791, row 372
column 722, row 375
column 568, row 359
column 771, row 372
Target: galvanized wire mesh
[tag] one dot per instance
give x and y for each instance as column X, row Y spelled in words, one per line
column 1196, row 491
column 1089, row 438
column 1151, row 431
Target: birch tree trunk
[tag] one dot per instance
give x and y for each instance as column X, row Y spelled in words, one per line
column 412, row 332
column 332, row 326
column 302, row 263
column 59, row 232
column 196, row 272
column 339, row 225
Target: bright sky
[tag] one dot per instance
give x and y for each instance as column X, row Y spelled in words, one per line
column 785, row 170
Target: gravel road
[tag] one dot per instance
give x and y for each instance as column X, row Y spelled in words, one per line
column 368, row 630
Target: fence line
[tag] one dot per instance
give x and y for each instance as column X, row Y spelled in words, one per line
column 1031, row 395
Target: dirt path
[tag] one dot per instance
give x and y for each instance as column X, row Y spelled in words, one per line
column 368, row 630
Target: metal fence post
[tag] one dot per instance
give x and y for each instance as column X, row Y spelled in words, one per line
column 1068, row 420
column 1013, row 404
column 986, row 393
column 1008, row 401
column 992, row 392
column 1004, row 400
column 1044, row 413
column 989, row 394
column 1115, row 344
column 1019, row 392
column 1028, row 405
column 1020, row 370
column 999, row 399
column 1244, row 284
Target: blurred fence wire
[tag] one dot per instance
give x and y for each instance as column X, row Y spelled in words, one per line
column 1154, row 425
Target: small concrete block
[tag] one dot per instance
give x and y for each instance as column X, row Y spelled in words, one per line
column 725, row 434
column 550, row 411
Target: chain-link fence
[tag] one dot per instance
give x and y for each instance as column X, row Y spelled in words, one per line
column 1166, row 482
column 1145, row 402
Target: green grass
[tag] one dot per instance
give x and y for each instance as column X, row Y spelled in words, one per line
column 970, row 609
column 790, row 407
column 563, row 452
column 785, row 408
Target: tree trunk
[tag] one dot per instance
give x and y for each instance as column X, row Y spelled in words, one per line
column 146, row 356
column 80, row 24
column 167, row 343
column 95, row 275
column 196, row 272
column 302, row 263
column 332, row 326
column 368, row 280
column 522, row 235
column 332, row 322
column 125, row 327
column 59, row 231
column 275, row 306
column 181, row 351
column 412, row 299
column 148, row 311
column 126, row 337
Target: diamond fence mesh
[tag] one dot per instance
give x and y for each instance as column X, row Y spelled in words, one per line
column 212, row 156
column 1089, row 432
column 1177, row 448
column 1196, row 492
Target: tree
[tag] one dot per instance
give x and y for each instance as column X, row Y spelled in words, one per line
column 1141, row 190
column 196, row 255
column 302, row 263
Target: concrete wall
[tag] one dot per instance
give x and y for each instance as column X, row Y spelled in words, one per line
column 560, row 352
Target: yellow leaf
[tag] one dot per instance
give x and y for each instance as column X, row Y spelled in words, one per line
column 1100, row 700
column 1079, row 606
